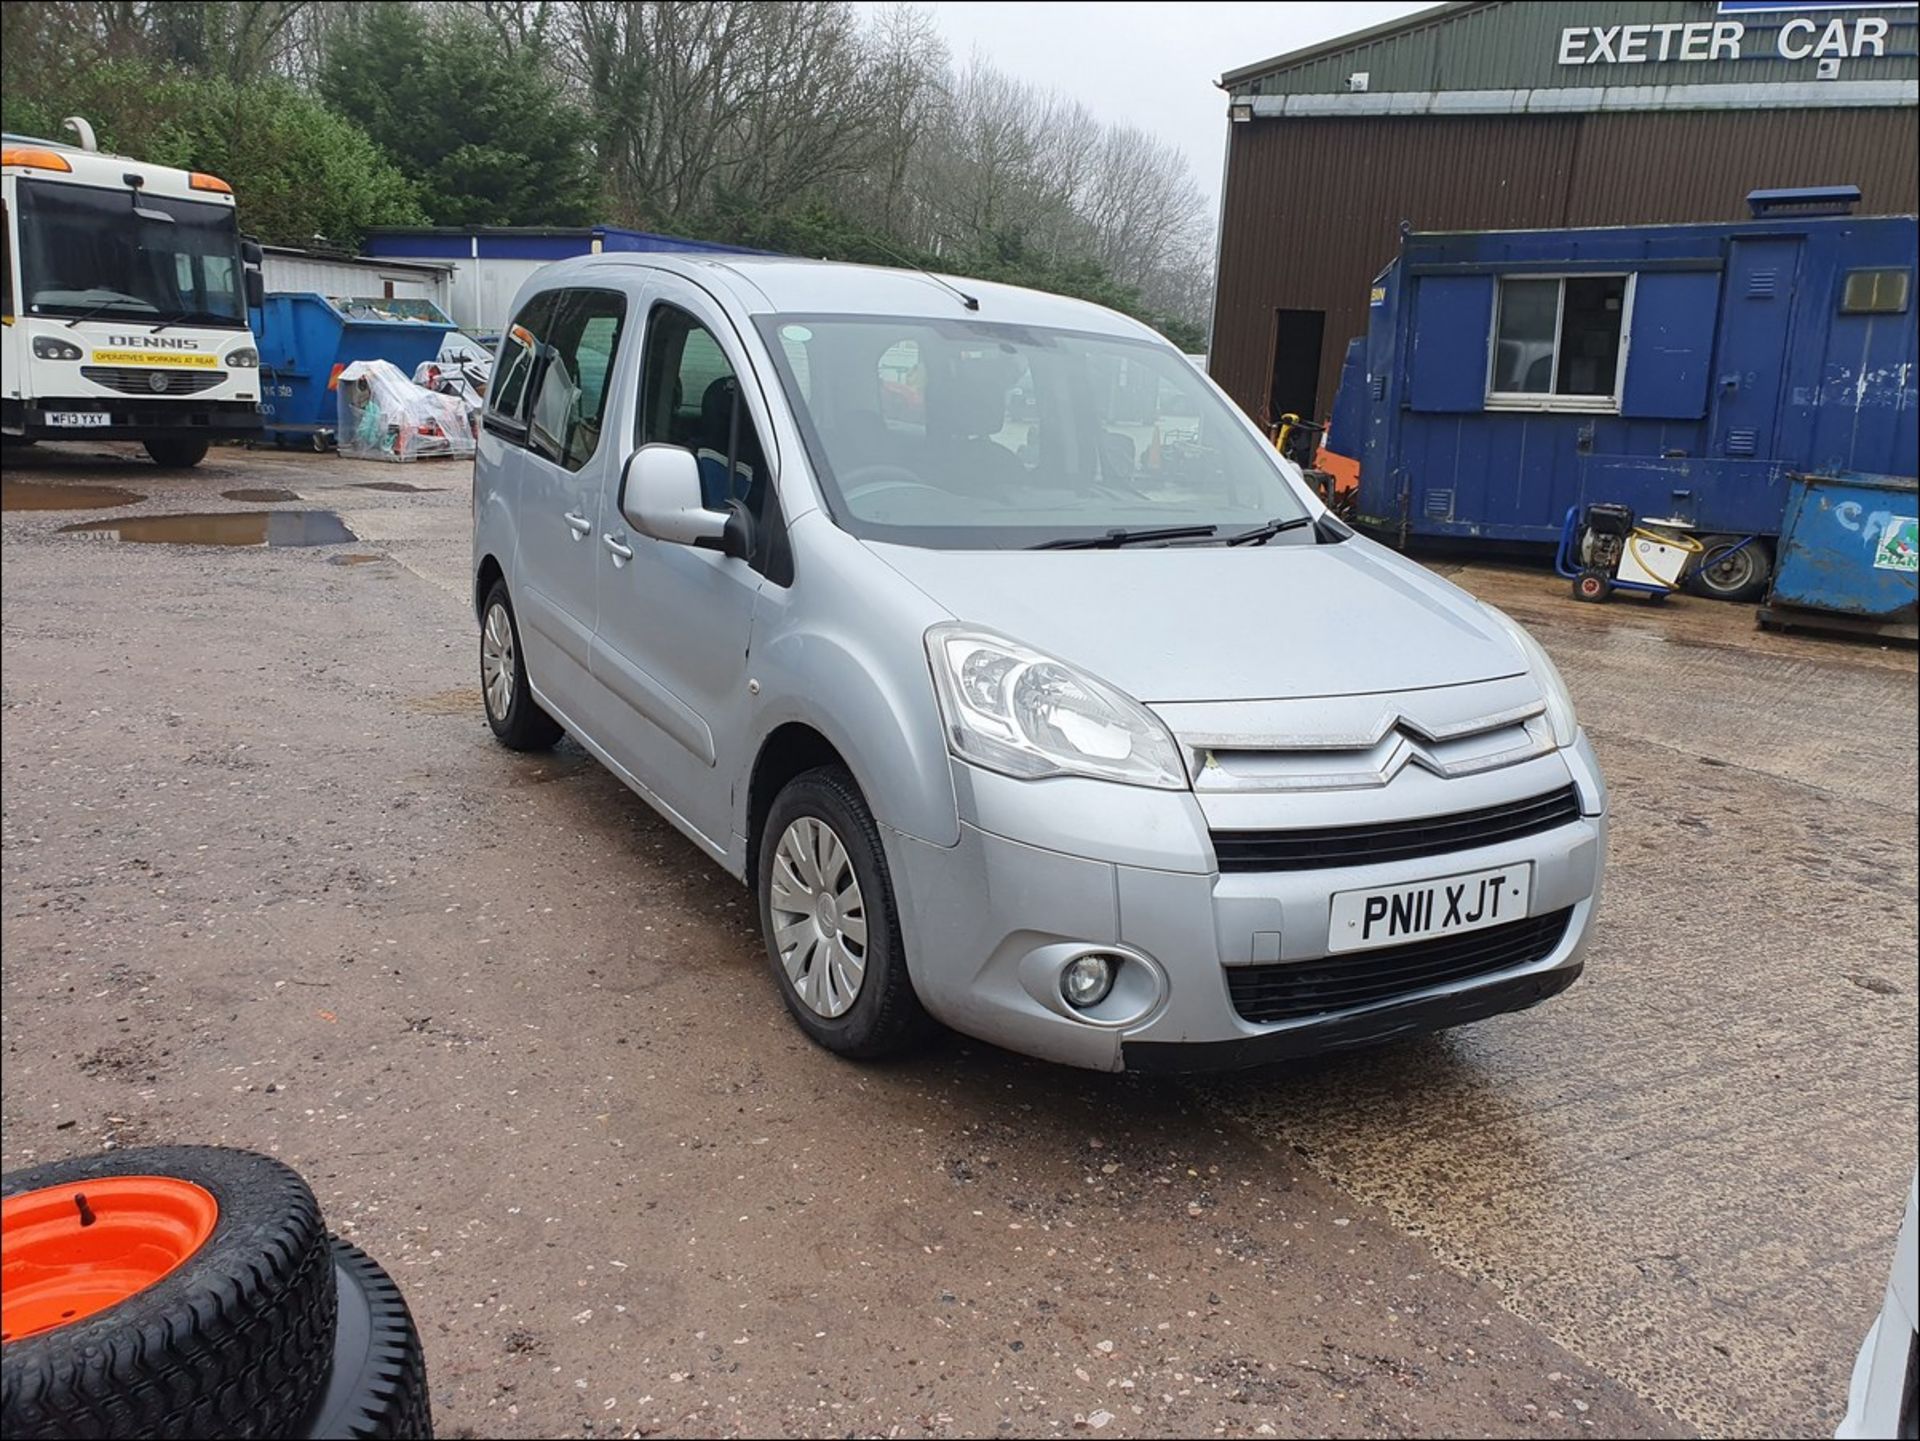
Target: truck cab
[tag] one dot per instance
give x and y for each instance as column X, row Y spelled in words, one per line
column 127, row 292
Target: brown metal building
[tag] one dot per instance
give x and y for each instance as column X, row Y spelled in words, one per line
column 1508, row 114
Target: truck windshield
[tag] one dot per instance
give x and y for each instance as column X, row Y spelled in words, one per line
column 86, row 250
column 959, row 434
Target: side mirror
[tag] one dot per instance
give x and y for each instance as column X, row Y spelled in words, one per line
column 660, row 497
column 251, row 255
column 256, row 290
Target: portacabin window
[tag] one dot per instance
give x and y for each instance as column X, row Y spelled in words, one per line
column 1559, row 342
column 1876, row 292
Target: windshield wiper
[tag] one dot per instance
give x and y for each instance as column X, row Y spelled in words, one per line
column 1261, row 534
column 100, row 309
column 1114, row 539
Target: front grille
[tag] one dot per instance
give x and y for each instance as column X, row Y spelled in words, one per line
column 1359, row 978
column 138, row 379
column 1306, row 850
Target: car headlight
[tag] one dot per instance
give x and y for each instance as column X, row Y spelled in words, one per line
column 45, row 347
column 1023, row 713
column 1566, row 728
column 245, row 358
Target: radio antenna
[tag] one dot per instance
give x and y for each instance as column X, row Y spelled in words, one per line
column 965, row 299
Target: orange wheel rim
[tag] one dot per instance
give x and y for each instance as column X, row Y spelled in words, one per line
column 69, row 1252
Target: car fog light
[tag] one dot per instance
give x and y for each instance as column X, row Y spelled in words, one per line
column 1086, row 980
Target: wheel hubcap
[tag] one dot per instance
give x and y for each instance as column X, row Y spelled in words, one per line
column 496, row 661
column 1731, row 571
column 819, row 917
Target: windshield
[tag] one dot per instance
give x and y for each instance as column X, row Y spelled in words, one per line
column 88, row 251
column 961, row 434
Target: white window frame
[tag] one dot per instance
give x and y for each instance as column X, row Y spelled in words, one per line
column 1530, row 401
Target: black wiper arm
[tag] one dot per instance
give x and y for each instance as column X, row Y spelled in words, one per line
column 1114, row 539
column 88, row 315
column 1261, row 534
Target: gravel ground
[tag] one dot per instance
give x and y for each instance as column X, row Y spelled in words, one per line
column 268, row 882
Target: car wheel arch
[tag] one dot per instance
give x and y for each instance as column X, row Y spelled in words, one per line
column 489, row 571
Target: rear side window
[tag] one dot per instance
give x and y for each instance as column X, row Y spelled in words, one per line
column 556, row 361
column 569, row 386
column 519, row 354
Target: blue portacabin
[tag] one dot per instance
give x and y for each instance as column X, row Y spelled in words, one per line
column 1686, row 372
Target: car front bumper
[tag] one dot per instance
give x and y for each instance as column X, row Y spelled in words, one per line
column 1044, row 870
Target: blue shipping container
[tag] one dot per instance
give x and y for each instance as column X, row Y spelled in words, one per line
column 1682, row 370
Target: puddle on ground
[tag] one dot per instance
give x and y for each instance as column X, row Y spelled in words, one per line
column 398, row 487
column 465, row 701
column 266, row 496
column 355, row 557
column 38, row 495
column 261, row 527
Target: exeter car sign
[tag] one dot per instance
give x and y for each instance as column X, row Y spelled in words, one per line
column 1802, row 38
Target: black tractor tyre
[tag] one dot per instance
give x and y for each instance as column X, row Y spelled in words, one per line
column 524, row 726
column 1721, row 574
column 1593, row 586
column 177, row 452
column 378, row 1384
column 886, row 1018
column 234, row 1342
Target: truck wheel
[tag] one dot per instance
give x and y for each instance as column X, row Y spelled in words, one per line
column 1724, row 573
column 514, row 714
column 178, row 1291
column 1592, row 585
column 378, row 1385
column 178, row 452
column 827, row 912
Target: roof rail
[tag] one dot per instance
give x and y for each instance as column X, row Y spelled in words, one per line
column 1808, row 200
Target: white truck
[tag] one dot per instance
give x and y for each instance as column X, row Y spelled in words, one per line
column 127, row 292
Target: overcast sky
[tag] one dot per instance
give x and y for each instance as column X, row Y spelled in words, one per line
column 1149, row 64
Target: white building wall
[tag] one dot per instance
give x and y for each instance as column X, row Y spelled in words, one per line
column 480, row 294
column 356, row 276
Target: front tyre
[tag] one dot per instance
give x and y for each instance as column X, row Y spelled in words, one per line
column 1592, row 585
column 827, row 912
column 177, row 452
column 516, row 717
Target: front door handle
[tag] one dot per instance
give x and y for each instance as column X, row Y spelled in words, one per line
column 622, row 552
column 579, row 525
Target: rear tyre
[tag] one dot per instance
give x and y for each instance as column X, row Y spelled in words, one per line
column 378, row 1385
column 235, row 1340
column 827, row 912
column 177, row 452
column 1592, row 585
column 1727, row 573
column 514, row 714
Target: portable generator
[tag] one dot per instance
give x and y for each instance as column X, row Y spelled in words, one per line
column 1605, row 549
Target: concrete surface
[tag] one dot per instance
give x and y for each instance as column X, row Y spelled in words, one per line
column 269, row 882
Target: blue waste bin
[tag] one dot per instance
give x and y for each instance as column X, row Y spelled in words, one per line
column 306, row 338
column 1849, row 555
